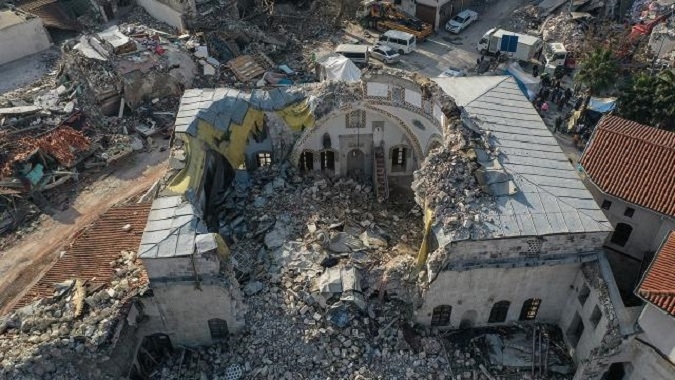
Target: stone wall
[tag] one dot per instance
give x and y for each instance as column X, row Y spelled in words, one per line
column 182, row 311
column 478, row 289
column 476, row 251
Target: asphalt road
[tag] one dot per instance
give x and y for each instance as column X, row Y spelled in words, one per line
column 446, row 50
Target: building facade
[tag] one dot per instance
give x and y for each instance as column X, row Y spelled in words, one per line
column 629, row 168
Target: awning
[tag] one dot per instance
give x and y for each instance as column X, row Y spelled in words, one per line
column 602, row 105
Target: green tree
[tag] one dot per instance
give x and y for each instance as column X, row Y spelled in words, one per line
column 637, row 99
column 598, row 70
column 650, row 100
column 664, row 100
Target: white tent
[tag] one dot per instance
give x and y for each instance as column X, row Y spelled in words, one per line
column 338, row 67
column 527, row 83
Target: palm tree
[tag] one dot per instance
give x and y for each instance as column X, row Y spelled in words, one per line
column 598, row 70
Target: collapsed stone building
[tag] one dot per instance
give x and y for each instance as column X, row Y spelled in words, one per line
column 508, row 234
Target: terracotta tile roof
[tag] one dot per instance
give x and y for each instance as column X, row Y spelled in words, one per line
column 90, row 254
column 633, row 162
column 658, row 283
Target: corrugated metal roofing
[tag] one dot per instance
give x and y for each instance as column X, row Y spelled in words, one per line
column 173, row 225
column 633, row 162
column 658, row 283
column 223, row 106
column 551, row 198
column 90, row 254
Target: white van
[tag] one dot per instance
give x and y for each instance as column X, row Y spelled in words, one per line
column 356, row 53
column 402, row 42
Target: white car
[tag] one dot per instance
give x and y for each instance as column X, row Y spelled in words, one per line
column 452, row 72
column 385, row 54
column 461, row 21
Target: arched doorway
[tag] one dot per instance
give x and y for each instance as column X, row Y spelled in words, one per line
column 356, row 162
column 468, row 319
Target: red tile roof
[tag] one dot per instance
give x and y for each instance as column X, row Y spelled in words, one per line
column 90, row 254
column 633, row 162
column 658, row 283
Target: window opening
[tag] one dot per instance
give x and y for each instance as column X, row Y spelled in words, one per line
column 534, row 246
column 306, row 161
column 621, row 234
column 326, row 141
column 264, row 159
column 530, row 309
column 441, row 315
column 583, row 294
column 575, row 330
column 499, row 311
column 606, row 205
column 629, row 212
column 218, row 329
column 596, row 316
column 327, row 160
column 398, row 159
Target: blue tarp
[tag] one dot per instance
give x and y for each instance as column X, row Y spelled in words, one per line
column 602, row 105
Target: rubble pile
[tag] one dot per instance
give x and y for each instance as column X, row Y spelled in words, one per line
column 445, row 183
column 526, row 18
column 51, row 337
column 290, row 336
column 562, row 28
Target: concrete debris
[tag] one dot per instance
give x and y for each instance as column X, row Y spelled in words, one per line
column 446, row 183
column 51, row 337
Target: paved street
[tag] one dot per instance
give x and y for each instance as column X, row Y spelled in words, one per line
column 459, row 51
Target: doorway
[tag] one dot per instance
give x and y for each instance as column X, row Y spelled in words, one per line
column 355, row 162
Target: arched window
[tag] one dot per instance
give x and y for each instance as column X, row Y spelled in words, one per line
column 441, row 315
column 530, row 309
column 499, row 311
column 326, row 141
column 621, row 234
column 306, row 161
column 327, row 160
column 218, row 329
column 398, row 158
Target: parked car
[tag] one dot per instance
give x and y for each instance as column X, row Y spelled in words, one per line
column 385, row 54
column 461, row 21
column 452, row 72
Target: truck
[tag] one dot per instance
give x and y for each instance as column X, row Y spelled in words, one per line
column 555, row 55
column 386, row 16
column 528, row 47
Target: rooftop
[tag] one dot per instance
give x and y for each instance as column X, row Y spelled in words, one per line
column 174, row 229
column 223, row 106
column 658, row 284
column 549, row 196
column 88, row 257
column 633, row 162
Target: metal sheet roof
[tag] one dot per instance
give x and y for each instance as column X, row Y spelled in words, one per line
column 222, row 106
column 551, row 198
column 174, row 227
